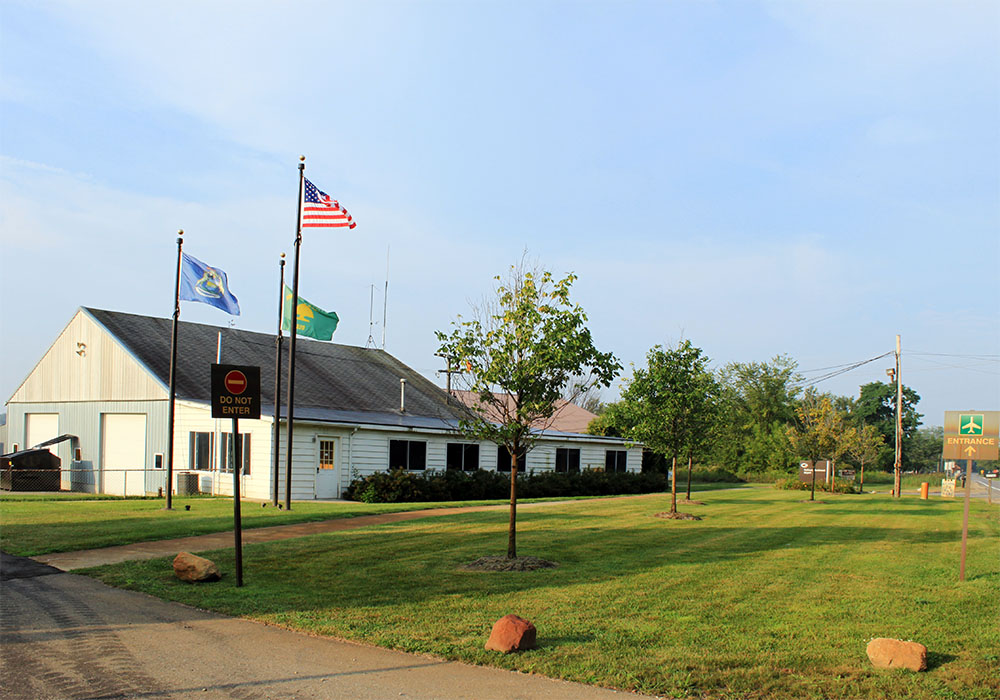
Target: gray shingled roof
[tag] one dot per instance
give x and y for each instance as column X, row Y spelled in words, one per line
column 338, row 378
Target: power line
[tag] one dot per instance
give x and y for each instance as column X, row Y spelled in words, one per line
column 971, row 357
column 842, row 369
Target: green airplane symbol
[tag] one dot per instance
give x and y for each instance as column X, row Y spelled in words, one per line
column 972, row 427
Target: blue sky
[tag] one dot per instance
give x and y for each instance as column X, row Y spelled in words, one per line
column 799, row 178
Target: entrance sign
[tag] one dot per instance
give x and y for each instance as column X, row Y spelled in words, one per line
column 235, row 391
column 972, row 435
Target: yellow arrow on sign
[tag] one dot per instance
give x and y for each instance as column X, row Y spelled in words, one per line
column 970, row 450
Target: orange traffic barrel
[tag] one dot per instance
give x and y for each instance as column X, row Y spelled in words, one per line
column 923, row 490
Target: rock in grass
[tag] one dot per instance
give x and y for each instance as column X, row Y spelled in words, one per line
column 511, row 633
column 195, row 569
column 895, row 653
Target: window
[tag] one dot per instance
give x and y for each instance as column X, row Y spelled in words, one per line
column 200, row 451
column 615, row 461
column 225, row 449
column 327, row 453
column 78, row 455
column 463, row 457
column 157, row 461
column 407, row 454
column 567, row 459
column 503, row 459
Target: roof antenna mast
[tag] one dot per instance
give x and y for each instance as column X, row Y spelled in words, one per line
column 371, row 319
column 385, row 297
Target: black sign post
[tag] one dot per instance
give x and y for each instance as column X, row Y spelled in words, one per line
column 236, row 394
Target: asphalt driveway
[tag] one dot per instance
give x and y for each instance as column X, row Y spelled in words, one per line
column 67, row 636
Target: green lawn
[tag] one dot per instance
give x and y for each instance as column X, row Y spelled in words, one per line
column 33, row 524
column 40, row 525
column 767, row 597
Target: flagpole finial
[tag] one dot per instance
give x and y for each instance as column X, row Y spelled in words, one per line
column 180, row 232
column 302, row 159
column 282, row 256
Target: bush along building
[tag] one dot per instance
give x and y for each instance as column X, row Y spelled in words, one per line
column 103, row 388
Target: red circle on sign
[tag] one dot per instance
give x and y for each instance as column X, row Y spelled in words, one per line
column 236, row 382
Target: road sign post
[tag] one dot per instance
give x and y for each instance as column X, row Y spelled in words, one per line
column 236, row 394
column 970, row 435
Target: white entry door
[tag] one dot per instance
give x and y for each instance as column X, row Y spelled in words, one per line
column 327, row 468
column 123, row 453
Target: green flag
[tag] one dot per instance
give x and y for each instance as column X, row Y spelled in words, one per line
column 311, row 320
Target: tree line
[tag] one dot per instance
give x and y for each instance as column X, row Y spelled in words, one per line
column 756, row 418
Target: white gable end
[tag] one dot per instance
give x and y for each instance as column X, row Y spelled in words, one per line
column 86, row 363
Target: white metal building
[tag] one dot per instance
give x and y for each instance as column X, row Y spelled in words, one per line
column 104, row 383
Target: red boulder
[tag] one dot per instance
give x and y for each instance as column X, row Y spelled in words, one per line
column 511, row 633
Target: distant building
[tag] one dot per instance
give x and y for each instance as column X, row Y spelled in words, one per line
column 103, row 387
column 568, row 417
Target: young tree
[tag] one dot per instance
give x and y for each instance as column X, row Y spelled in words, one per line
column 665, row 405
column 865, row 443
column 520, row 349
column 821, row 432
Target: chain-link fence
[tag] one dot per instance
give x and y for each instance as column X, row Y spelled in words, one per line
column 116, row 482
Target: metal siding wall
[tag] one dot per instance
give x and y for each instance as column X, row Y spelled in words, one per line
column 83, row 419
column 103, row 372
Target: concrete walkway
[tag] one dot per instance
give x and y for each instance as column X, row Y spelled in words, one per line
column 68, row 561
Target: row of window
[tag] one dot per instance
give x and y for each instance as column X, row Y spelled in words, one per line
column 412, row 455
column 201, row 450
column 403, row 454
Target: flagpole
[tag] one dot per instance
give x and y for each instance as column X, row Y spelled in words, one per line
column 173, row 378
column 277, row 377
column 292, row 323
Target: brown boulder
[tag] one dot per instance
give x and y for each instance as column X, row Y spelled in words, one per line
column 511, row 633
column 895, row 653
column 195, row 569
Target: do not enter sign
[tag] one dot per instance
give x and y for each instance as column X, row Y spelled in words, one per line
column 235, row 391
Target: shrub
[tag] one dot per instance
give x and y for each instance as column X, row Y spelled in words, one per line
column 793, row 484
column 399, row 486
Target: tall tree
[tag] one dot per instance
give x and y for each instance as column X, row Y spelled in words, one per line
column 520, row 348
column 665, row 404
column 876, row 406
column 758, row 400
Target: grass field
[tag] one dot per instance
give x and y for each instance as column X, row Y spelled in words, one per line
column 767, row 597
column 33, row 524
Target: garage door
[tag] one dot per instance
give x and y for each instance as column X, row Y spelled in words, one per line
column 123, row 453
column 39, row 427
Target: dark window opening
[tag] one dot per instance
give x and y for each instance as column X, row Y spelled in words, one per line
column 567, row 459
column 407, row 454
column 616, row 461
column 226, row 444
column 200, row 451
column 503, row 459
column 462, row 457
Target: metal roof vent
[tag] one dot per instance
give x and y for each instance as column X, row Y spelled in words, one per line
column 402, row 395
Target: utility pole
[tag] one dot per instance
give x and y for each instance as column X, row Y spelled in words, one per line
column 898, row 466
column 448, row 372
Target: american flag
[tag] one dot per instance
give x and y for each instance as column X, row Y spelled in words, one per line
column 319, row 211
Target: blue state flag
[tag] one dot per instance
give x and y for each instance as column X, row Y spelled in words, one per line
column 207, row 284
